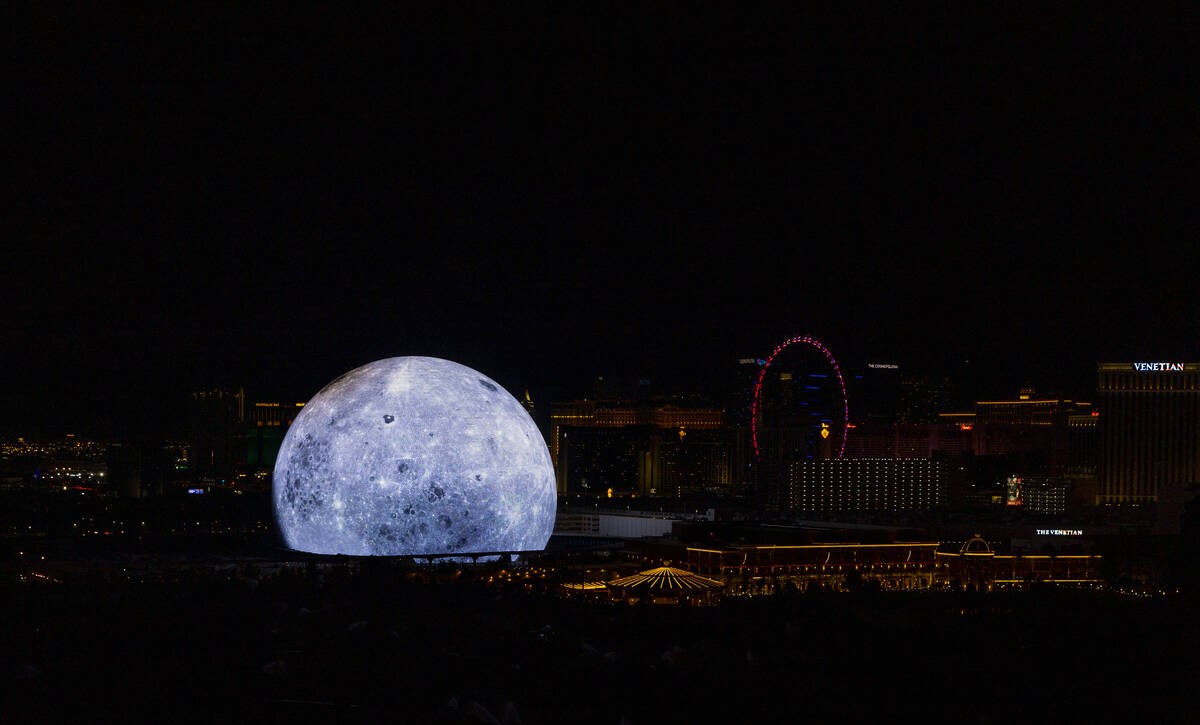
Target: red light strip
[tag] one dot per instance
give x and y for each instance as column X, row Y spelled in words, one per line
column 763, row 374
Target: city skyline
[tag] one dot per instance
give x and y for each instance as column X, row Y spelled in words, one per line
column 965, row 487
column 191, row 213
column 164, row 406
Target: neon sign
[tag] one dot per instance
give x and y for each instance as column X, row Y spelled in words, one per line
column 1014, row 491
column 1150, row 367
column 883, row 366
column 1059, row 532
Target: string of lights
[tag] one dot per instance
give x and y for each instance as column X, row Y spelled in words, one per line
column 763, row 374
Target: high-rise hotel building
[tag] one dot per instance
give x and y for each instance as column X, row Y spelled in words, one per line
column 618, row 447
column 888, row 485
column 1148, row 432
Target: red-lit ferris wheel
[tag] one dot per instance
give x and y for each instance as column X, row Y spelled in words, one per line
column 758, row 388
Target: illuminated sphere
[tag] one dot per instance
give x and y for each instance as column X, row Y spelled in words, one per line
column 414, row 455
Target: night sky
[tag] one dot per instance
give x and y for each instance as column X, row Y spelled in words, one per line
column 551, row 194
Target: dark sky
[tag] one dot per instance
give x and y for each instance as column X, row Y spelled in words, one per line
column 551, row 194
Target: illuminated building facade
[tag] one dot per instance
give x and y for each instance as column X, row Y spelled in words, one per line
column 866, row 484
column 263, row 429
column 687, row 463
column 741, row 408
column 1148, row 434
column 618, row 414
column 1051, row 434
column 600, row 447
column 977, row 566
column 1023, row 411
column 216, row 415
column 1045, row 495
column 922, row 397
column 595, row 461
column 760, row 570
column 1082, row 443
column 907, row 440
column 235, row 442
column 271, row 415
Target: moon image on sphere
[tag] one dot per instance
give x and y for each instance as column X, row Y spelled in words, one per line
column 414, row 455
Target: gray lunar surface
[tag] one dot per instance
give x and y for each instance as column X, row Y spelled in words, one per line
column 414, row 455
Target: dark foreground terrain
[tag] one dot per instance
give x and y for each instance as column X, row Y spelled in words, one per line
column 377, row 647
